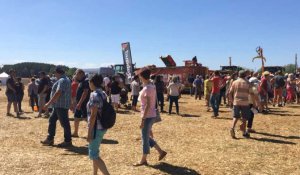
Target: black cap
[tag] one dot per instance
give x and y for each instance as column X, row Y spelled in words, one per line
column 59, row 70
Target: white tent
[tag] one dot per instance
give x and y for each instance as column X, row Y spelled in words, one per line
column 3, row 78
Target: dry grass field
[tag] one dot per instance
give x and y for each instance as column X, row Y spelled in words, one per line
column 196, row 144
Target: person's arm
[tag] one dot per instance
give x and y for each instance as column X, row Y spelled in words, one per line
column 147, row 107
column 45, row 89
column 9, row 86
column 261, row 87
column 53, row 99
column 56, row 95
column 168, row 90
column 28, row 90
column 82, row 98
column 230, row 95
column 94, row 110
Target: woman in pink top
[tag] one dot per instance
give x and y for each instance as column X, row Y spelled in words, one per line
column 147, row 97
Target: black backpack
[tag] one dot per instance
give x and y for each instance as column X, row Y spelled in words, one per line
column 107, row 116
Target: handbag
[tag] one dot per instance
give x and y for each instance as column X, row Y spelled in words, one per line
column 158, row 117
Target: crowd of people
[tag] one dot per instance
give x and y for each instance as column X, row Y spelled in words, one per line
column 245, row 92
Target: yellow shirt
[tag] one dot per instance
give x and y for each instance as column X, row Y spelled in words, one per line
column 207, row 87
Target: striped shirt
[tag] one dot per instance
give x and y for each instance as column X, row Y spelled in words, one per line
column 240, row 90
column 64, row 85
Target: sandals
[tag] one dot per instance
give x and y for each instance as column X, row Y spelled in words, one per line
column 141, row 164
column 162, row 156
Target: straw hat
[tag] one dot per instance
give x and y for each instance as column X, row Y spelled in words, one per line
column 266, row 73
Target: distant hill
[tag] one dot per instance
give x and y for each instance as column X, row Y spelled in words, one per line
column 29, row 69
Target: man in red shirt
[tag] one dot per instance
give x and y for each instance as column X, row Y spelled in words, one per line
column 215, row 93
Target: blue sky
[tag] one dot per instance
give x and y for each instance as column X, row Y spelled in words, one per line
column 89, row 33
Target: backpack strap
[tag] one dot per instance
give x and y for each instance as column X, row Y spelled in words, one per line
column 96, row 122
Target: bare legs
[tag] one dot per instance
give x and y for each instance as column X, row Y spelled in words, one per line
column 99, row 164
column 15, row 108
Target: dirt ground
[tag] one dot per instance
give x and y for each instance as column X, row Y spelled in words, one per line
column 196, row 144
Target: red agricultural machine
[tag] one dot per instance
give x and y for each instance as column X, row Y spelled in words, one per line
column 190, row 68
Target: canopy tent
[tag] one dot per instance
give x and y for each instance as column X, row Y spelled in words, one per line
column 3, row 78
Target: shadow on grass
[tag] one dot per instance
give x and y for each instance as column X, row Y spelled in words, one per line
column 292, row 106
column 28, row 112
column 109, row 141
column 22, row 117
column 283, row 114
column 81, row 150
column 189, row 115
column 275, row 135
column 222, row 118
column 174, row 170
column 273, row 141
column 124, row 112
column 279, row 111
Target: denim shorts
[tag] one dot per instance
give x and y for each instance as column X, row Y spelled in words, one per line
column 241, row 111
column 11, row 97
column 94, row 146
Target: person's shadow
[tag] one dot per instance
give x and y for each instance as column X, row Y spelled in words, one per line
column 174, row 170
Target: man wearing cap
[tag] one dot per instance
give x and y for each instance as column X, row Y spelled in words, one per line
column 239, row 100
column 60, row 101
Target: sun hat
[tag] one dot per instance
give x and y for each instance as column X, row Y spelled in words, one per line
column 266, row 73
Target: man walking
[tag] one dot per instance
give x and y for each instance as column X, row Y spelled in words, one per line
column 82, row 97
column 215, row 93
column 60, row 101
column 239, row 100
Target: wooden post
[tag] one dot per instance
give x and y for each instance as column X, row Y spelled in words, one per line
column 262, row 62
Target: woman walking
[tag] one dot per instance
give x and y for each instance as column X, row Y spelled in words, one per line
column 290, row 89
column 94, row 106
column 147, row 97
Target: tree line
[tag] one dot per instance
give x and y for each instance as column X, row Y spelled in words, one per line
column 30, row 69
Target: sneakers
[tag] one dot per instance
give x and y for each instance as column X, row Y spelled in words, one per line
column 65, row 144
column 232, row 133
column 246, row 135
column 47, row 142
column 251, row 130
column 47, row 115
column 38, row 116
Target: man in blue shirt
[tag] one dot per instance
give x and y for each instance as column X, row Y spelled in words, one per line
column 60, row 101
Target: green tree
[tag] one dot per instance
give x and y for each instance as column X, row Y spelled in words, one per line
column 290, row 68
